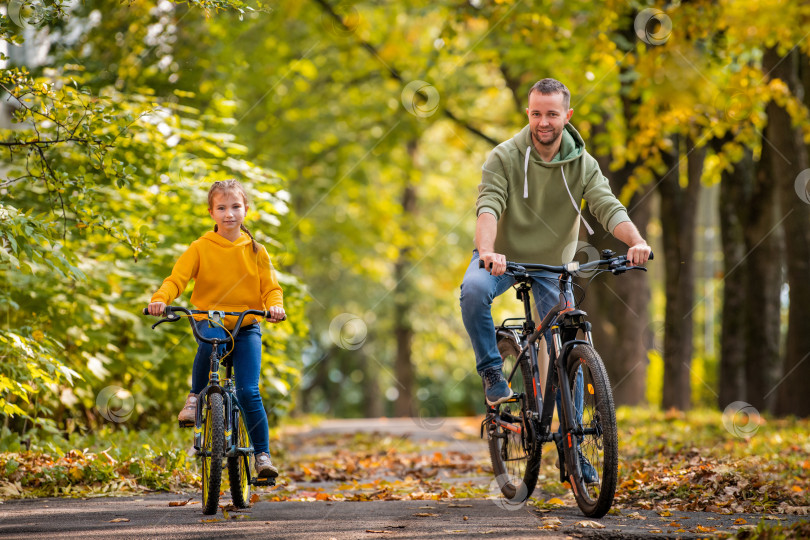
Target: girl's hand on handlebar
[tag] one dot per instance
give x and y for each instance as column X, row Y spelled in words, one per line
column 276, row 314
column 156, row 309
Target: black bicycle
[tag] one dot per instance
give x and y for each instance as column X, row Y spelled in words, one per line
column 219, row 427
column 518, row 428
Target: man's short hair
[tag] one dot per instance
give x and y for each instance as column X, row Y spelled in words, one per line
column 548, row 87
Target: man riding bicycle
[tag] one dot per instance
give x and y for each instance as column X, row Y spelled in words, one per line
column 528, row 211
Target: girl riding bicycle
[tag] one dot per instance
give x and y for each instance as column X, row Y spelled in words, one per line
column 232, row 273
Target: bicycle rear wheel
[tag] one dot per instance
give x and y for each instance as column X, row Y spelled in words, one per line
column 513, row 450
column 599, row 444
column 240, row 466
column 213, row 451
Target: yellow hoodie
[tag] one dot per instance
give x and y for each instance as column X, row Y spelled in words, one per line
column 228, row 276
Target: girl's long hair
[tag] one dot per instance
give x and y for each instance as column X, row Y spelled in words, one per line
column 231, row 186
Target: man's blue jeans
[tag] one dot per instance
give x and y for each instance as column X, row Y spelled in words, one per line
column 247, row 359
column 478, row 290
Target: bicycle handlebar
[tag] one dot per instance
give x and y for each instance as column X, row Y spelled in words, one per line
column 616, row 265
column 169, row 316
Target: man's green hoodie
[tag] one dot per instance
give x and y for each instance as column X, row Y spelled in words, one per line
column 538, row 217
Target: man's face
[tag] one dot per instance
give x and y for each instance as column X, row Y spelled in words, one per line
column 547, row 117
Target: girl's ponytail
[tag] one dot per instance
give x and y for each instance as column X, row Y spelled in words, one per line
column 255, row 247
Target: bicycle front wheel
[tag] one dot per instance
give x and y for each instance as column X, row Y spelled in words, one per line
column 240, row 465
column 212, row 452
column 514, row 452
column 598, row 447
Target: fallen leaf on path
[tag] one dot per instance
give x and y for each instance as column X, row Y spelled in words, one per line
column 635, row 515
column 551, row 523
column 459, row 506
column 589, row 524
column 118, row 520
column 665, row 513
column 702, row 529
column 740, row 521
column 454, row 530
column 179, row 503
column 426, row 514
column 212, row 520
column 555, row 500
column 254, row 498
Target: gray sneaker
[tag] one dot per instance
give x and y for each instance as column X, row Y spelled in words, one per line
column 495, row 386
column 264, row 467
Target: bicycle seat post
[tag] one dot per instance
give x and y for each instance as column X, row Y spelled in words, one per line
column 523, row 295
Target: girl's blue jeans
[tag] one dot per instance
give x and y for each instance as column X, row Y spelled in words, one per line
column 478, row 290
column 247, row 359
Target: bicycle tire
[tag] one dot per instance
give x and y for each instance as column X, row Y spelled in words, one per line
column 600, row 445
column 240, row 466
column 515, row 468
column 214, row 446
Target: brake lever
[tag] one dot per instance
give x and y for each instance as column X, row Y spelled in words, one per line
column 161, row 321
column 624, row 268
column 171, row 317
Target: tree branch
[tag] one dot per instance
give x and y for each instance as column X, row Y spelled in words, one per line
column 395, row 74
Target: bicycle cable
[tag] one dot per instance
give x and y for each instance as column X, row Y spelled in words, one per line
column 233, row 341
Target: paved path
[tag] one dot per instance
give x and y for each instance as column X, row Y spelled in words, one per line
column 151, row 516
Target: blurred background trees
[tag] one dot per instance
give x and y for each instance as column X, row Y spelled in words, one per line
column 360, row 129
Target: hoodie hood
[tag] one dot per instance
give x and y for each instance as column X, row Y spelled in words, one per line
column 571, row 148
column 220, row 240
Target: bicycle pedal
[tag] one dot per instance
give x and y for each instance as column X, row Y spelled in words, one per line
column 263, row 482
column 185, row 424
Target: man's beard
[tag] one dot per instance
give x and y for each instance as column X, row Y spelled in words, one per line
column 551, row 142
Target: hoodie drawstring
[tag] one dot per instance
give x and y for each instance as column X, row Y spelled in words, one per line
column 526, row 173
column 565, row 183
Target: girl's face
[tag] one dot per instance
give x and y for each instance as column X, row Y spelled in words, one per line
column 228, row 210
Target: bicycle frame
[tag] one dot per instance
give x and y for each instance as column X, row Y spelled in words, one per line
column 230, row 401
column 563, row 315
column 565, row 322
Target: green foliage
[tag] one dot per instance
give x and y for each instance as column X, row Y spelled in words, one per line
column 142, row 104
column 103, row 189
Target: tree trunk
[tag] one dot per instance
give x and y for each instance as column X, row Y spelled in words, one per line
column 764, row 282
column 404, row 370
column 735, row 188
column 619, row 307
column 373, row 404
column 795, row 213
column 678, row 221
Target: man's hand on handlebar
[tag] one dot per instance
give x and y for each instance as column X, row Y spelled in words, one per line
column 638, row 254
column 156, row 309
column 495, row 263
column 276, row 314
